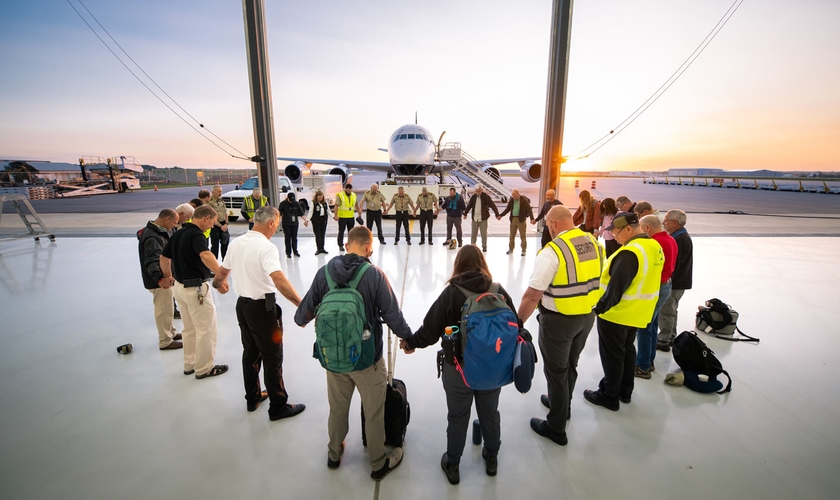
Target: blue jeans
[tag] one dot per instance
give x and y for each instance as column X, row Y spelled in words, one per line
column 646, row 337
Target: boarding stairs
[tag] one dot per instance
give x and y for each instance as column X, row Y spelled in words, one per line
column 465, row 166
column 28, row 215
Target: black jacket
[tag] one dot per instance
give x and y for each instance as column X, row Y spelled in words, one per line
column 486, row 205
column 525, row 211
column 683, row 267
column 446, row 310
column 152, row 240
column 380, row 302
column 291, row 211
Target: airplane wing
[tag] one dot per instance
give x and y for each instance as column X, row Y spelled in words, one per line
column 508, row 160
column 367, row 165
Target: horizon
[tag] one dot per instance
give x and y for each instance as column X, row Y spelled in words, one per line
column 760, row 96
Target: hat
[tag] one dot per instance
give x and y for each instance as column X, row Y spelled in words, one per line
column 622, row 220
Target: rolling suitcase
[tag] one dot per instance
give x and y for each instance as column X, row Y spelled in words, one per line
column 397, row 409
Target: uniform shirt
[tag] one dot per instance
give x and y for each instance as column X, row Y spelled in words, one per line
column 426, row 201
column 220, row 208
column 319, row 212
column 184, row 249
column 669, row 249
column 373, row 201
column 545, row 268
column 252, row 258
column 401, row 202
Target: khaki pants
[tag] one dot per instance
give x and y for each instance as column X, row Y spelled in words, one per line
column 199, row 334
column 476, row 227
column 164, row 312
column 371, row 383
column 521, row 226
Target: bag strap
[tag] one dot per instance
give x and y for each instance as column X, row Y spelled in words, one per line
column 732, row 339
column 360, row 271
column 728, row 385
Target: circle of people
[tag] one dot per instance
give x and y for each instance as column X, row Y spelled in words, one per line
column 631, row 285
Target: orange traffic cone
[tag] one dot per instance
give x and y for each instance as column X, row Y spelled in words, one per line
column 593, row 184
column 199, row 183
column 155, row 187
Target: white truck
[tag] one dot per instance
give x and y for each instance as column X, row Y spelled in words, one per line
column 413, row 185
column 233, row 199
column 329, row 184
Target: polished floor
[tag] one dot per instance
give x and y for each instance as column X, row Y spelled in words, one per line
column 80, row 421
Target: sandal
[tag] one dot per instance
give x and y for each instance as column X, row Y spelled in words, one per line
column 216, row 370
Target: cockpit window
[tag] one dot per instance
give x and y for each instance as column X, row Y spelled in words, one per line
column 411, row 136
column 403, row 136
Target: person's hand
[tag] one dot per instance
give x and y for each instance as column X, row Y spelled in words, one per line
column 224, row 227
column 498, row 217
column 305, row 222
column 533, row 221
column 465, row 216
column 437, row 211
column 335, row 218
column 404, row 347
column 223, row 288
column 164, row 283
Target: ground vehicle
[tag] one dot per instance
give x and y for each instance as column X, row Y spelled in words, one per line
column 233, row 199
column 329, row 184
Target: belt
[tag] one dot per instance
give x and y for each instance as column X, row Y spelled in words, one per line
column 193, row 282
column 372, row 210
column 246, row 299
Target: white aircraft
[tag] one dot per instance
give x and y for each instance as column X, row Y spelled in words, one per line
column 412, row 151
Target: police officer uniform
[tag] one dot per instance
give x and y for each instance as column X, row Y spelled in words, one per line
column 426, row 203
column 373, row 212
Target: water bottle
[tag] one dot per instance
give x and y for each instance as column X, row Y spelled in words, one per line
column 366, row 334
column 476, row 432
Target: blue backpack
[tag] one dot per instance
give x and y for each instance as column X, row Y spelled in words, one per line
column 489, row 333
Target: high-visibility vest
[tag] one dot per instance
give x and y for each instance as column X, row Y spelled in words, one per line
column 206, row 233
column 249, row 205
column 347, row 205
column 575, row 288
column 638, row 301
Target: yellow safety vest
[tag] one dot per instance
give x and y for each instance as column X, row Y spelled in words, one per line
column 637, row 304
column 575, row 288
column 249, row 205
column 206, row 233
column 347, row 205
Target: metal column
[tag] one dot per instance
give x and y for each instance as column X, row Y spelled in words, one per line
column 555, row 103
column 258, row 74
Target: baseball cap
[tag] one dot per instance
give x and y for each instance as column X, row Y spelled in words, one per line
column 622, row 220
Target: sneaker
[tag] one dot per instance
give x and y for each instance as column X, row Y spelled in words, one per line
column 597, row 398
column 652, row 367
column 540, row 426
column 523, row 253
column 663, row 346
column 286, row 412
column 253, row 405
column 392, row 462
column 483, row 249
column 172, row 346
column 641, row 373
column 491, row 462
column 506, row 253
column 333, row 464
column 216, row 370
column 453, row 475
column 445, row 243
column 545, row 402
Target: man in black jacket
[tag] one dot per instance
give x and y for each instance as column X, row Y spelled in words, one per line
column 680, row 280
column 520, row 211
column 152, row 240
column 380, row 304
column 480, row 205
column 550, row 201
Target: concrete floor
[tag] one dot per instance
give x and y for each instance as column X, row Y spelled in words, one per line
column 79, row 421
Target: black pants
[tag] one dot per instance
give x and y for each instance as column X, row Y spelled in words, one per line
column 618, row 358
column 375, row 217
column 320, row 230
column 562, row 339
column 290, row 232
column 459, row 398
column 402, row 219
column 262, row 342
column 219, row 238
column 546, row 237
column 456, row 222
column 344, row 223
column 426, row 218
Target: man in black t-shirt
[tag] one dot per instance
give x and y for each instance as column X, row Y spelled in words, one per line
column 189, row 264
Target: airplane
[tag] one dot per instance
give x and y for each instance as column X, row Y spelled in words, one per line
column 412, row 151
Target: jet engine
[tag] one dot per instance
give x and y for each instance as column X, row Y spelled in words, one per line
column 295, row 171
column 530, row 171
column 492, row 171
column 342, row 170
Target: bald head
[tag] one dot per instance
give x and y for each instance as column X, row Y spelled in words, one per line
column 514, row 194
column 558, row 220
column 550, row 195
column 650, row 224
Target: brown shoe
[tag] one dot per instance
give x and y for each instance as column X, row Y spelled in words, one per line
column 177, row 337
column 172, row 346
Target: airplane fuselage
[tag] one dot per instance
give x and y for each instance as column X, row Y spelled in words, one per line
column 412, row 150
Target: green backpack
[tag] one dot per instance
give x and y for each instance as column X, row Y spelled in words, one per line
column 343, row 340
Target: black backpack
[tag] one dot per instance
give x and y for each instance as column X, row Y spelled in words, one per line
column 720, row 320
column 693, row 355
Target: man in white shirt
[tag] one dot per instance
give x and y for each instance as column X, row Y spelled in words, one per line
column 254, row 263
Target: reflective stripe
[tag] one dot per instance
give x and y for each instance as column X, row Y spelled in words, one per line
column 638, row 301
column 575, row 288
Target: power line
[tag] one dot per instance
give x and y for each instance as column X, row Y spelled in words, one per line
column 243, row 157
column 664, row 87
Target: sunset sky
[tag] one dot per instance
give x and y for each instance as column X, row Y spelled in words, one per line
column 345, row 74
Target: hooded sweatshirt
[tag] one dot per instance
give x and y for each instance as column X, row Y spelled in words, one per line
column 380, row 302
column 446, row 310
